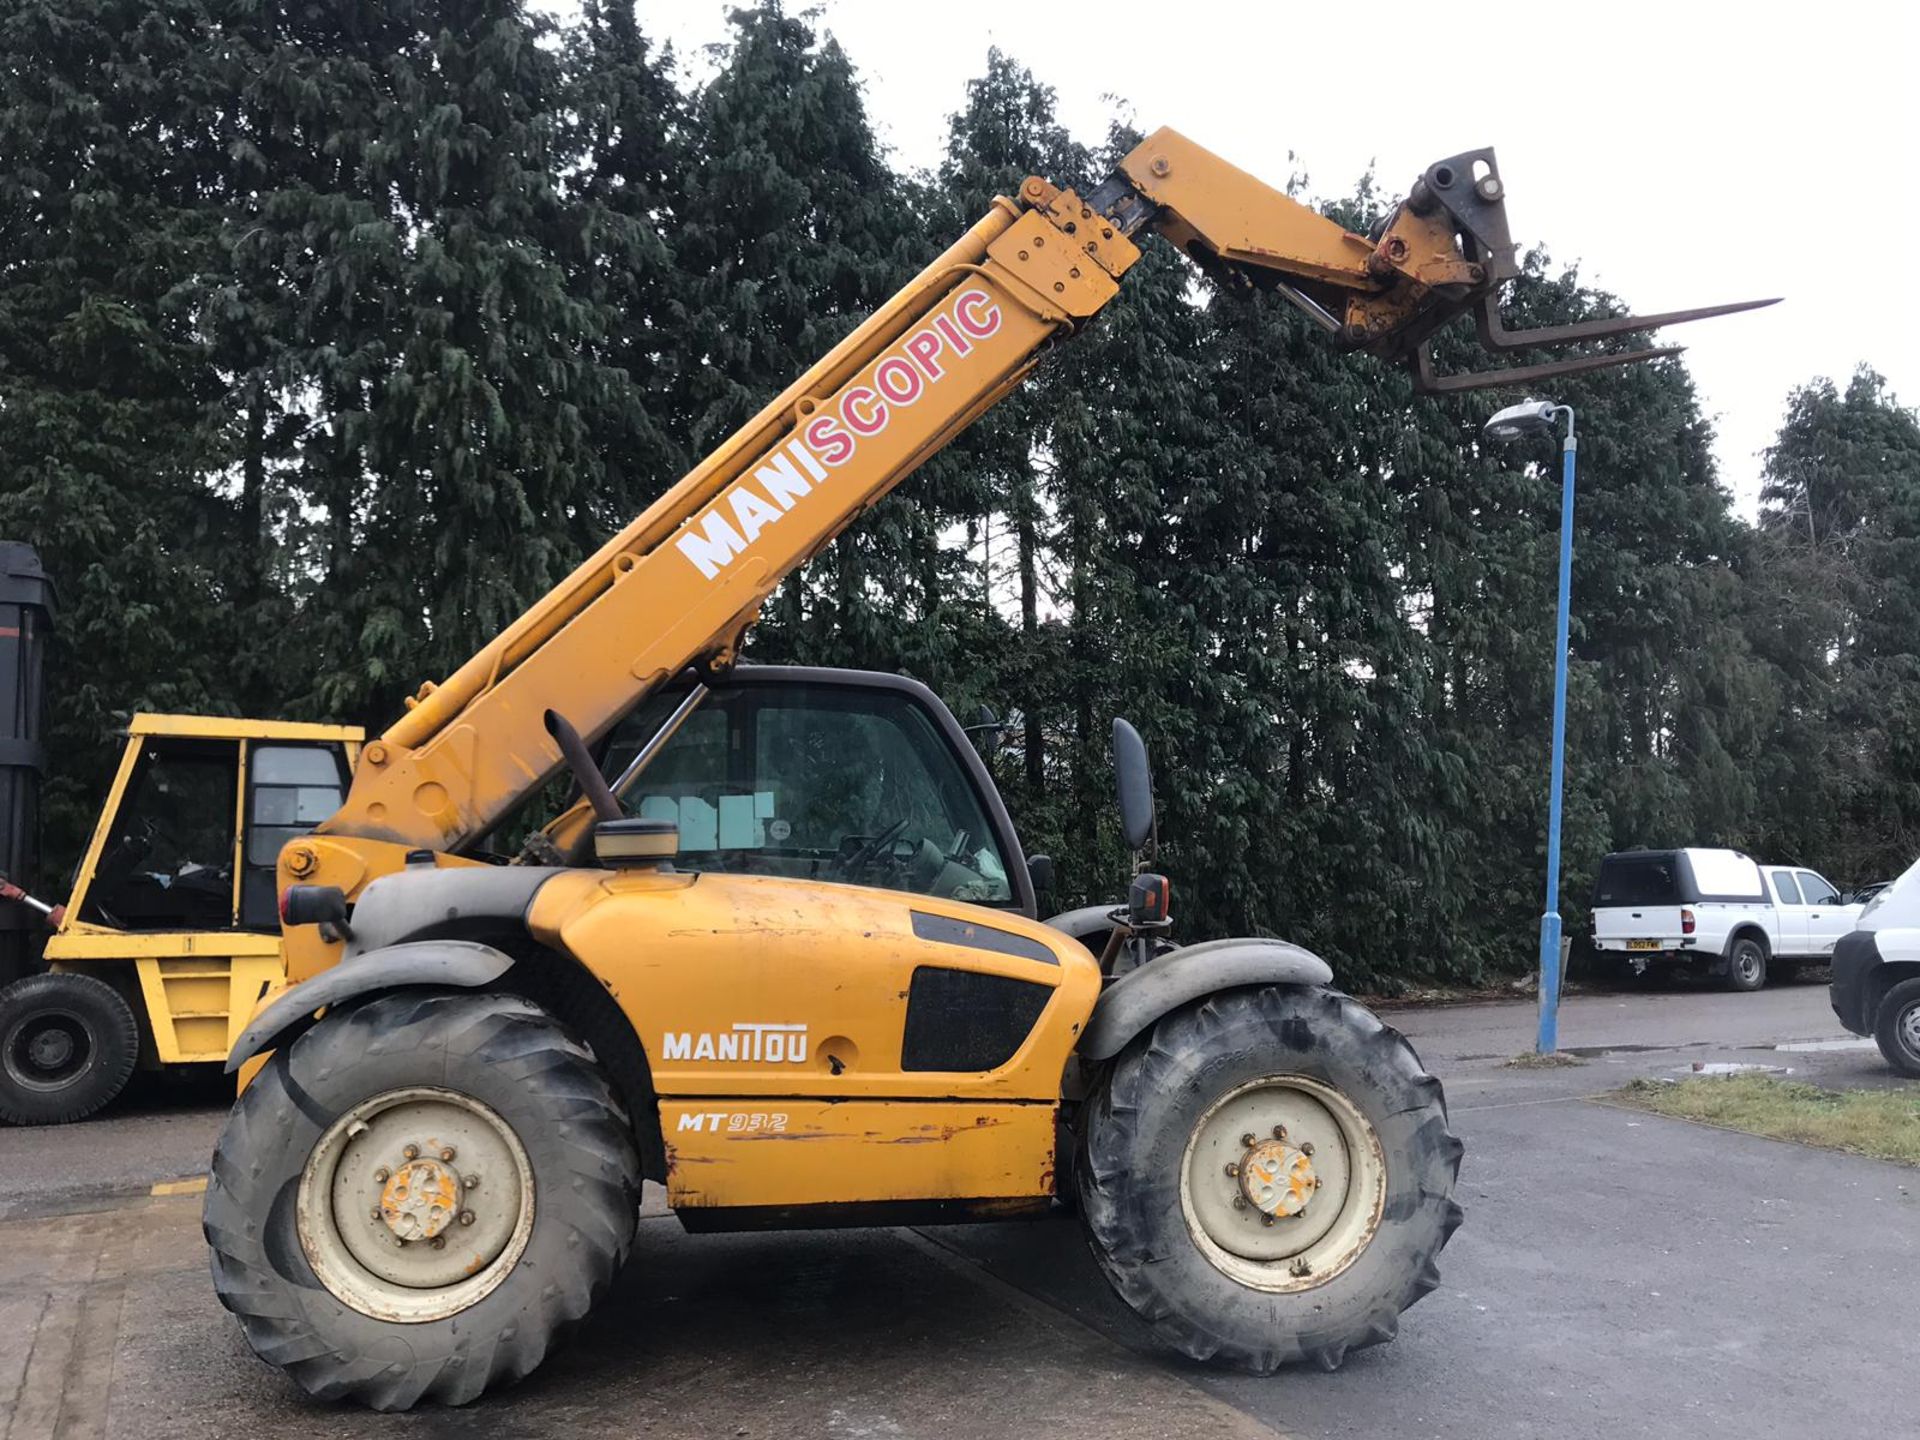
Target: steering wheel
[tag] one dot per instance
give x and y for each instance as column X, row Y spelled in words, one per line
column 851, row 865
column 131, row 848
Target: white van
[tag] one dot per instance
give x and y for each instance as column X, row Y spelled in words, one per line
column 1716, row 912
column 1876, row 974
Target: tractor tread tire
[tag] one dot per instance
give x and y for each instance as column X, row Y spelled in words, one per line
column 112, row 1030
column 520, row 1061
column 1141, row 1114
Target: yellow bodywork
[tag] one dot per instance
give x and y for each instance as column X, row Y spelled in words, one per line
column 771, row 1015
column 194, row 989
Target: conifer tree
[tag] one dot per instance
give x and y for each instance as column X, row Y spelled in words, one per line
column 110, row 442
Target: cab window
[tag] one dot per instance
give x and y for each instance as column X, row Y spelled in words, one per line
column 167, row 863
column 818, row 782
column 1817, row 891
column 290, row 789
column 1785, row 888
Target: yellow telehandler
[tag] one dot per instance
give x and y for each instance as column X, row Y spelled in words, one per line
column 782, row 955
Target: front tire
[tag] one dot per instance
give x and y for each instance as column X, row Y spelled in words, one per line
column 1267, row 1176
column 68, row 1043
column 1746, row 965
column 1896, row 1028
column 414, row 1198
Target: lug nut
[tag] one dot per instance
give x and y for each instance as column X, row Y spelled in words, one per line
column 1247, row 1140
column 439, row 1242
column 1239, row 1202
column 1279, row 1132
column 466, row 1217
column 447, row 1154
column 1307, row 1148
column 412, row 1152
column 1300, row 1269
column 472, row 1182
column 1266, row 1219
column 376, row 1213
column 381, row 1176
column 1232, row 1169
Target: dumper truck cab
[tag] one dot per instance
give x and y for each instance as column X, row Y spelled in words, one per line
column 170, row 933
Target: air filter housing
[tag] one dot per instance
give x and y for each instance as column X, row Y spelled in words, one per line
column 625, row 843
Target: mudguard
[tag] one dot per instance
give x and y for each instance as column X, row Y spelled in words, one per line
column 1087, row 923
column 1136, row 1000
column 459, row 964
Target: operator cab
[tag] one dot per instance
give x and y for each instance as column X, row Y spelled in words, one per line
column 196, row 819
column 857, row 777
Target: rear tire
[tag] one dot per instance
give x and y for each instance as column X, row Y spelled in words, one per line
column 68, row 1043
column 1896, row 1028
column 1186, row 1244
column 1746, row 965
column 416, row 1197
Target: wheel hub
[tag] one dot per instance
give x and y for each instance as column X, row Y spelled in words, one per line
column 46, row 1051
column 50, row 1049
column 415, row 1204
column 1277, row 1179
column 420, row 1200
column 1283, row 1183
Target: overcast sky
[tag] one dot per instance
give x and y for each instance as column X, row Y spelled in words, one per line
column 1683, row 153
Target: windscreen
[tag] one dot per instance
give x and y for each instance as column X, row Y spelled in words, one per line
column 1652, row 879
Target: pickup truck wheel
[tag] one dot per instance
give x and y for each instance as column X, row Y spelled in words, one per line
column 1267, row 1176
column 1746, row 965
column 1897, row 1028
column 418, row 1195
column 67, row 1045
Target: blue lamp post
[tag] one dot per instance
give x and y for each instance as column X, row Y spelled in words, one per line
column 1538, row 417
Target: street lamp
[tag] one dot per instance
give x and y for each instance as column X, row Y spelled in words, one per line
column 1517, row 422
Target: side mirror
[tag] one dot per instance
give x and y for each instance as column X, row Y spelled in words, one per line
column 986, row 730
column 1134, row 780
column 1040, row 871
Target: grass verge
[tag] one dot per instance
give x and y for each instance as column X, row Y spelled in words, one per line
column 1883, row 1124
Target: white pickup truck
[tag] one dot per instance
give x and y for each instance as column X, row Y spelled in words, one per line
column 1715, row 912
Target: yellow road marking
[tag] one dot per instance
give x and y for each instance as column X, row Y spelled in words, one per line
column 195, row 1186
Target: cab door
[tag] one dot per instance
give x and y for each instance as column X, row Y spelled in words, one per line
column 1791, row 907
column 1827, row 918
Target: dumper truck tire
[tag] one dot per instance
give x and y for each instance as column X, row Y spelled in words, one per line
column 67, row 1045
column 416, row 1196
column 1266, row 1176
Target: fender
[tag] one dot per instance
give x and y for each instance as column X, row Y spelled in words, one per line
column 464, row 964
column 1133, row 1002
column 1087, row 923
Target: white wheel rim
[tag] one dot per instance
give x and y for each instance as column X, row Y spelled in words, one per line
column 415, row 1204
column 1910, row 1030
column 1315, row 1133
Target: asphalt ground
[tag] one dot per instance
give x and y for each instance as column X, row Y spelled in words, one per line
column 1617, row 1272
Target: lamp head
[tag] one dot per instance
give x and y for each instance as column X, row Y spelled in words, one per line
column 1516, row 422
